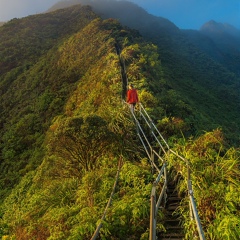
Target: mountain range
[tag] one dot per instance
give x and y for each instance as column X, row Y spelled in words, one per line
column 207, row 59
column 64, row 126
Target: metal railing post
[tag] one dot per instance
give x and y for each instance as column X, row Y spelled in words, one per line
column 194, row 212
column 96, row 233
column 152, row 160
column 152, row 232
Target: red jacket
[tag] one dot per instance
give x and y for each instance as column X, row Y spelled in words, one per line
column 132, row 96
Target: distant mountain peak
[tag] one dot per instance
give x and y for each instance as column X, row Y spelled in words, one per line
column 212, row 26
column 128, row 13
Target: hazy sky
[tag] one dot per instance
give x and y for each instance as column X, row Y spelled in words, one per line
column 186, row 14
column 194, row 13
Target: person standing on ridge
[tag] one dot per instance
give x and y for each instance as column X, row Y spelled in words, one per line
column 132, row 97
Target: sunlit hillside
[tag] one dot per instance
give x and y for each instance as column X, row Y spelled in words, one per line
column 201, row 67
column 67, row 135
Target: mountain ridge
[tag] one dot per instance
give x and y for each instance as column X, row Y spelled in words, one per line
column 175, row 46
column 74, row 87
column 65, row 129
column 153, row 27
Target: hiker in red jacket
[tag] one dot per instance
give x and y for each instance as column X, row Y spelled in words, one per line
column 132, row 97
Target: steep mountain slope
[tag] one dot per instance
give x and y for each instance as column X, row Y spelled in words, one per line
column 40, row 34
column 220, row 41
column 37, row 80
column 31, row 94
column 65, row 130
column 204, row 81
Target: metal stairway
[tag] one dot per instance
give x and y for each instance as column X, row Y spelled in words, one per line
column 167, row 196
column 167, row 199
column 172, row 220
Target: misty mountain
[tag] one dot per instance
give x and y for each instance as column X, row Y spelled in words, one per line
column 202, row 67
column 128, row 13
column 65, row 131
column 212, row 28
column 219, row 41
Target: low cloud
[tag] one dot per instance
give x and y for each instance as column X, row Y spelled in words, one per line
column 19, row 8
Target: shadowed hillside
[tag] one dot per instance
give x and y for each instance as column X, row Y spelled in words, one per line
column 219, row 41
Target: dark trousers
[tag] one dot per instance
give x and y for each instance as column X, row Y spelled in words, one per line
column 132, row 106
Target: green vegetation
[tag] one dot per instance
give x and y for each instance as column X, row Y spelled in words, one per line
column 203, row 72
column 64, row 128
column 215, row 178
column 32, row 93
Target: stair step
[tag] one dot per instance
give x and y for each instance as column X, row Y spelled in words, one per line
column 171, row 238
column 172, row 235
column 170, row 216
column 172, row 219
column 172, row 208
column 174, row 198
column 174, row 195
column 176, row 230
column 173, row 203
column 175, row 238
column 172, row 222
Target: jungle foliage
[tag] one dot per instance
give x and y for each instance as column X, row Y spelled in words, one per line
column 64, row 128
column 203, row 69
column 215, row 173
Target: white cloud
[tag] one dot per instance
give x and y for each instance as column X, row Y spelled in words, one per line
column 19, row 8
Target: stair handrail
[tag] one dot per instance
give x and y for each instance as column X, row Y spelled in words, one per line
column 155, row 206
column 97, row 230
column 193, row 205
column 162, row 174
column 150, row 123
